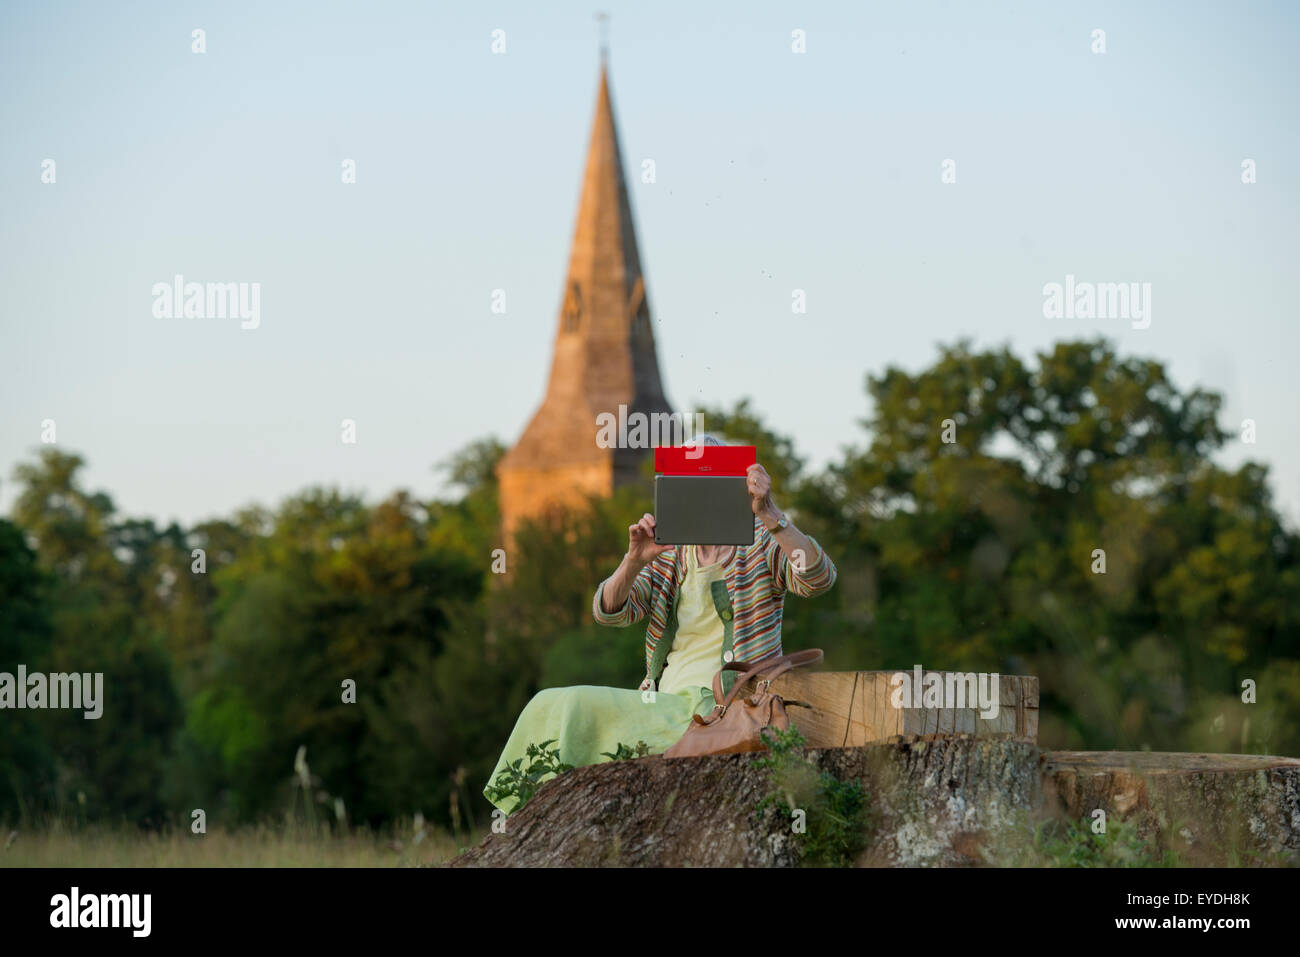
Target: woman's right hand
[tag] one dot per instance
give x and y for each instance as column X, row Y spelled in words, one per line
column 641, row 547
column 641, row 551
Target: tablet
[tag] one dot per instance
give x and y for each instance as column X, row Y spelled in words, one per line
column 703, row 510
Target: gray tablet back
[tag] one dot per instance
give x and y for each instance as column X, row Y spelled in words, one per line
column 703, row 510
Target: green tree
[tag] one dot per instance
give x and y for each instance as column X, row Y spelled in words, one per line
column 26, row 760
column 336, row 592
column 114, row 766
column 741, row 425
column 986, row 500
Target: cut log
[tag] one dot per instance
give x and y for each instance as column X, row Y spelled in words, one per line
column 854, row 708
column 1208, row 808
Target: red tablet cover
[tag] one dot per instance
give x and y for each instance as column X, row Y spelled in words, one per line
column 704, row 459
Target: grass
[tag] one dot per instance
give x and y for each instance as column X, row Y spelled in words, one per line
column 55, row 845
column 307, row 837
column 1060, row 842
column 837, row 821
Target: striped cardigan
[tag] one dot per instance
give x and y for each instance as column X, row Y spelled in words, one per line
column 749, row 600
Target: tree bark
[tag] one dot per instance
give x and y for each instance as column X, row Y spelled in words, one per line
column 930, row 798
column 937, row 800
column 1211, row 809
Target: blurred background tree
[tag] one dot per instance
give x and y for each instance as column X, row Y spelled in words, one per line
column 100, row 570
column 26, row 758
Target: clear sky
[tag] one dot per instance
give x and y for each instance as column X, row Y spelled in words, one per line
column 775, row 171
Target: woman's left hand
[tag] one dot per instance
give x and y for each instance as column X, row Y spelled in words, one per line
column 759, row 484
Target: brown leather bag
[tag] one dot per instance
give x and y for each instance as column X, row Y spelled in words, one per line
column 735, row 726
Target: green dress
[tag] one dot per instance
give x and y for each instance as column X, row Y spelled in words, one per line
column 588, row 721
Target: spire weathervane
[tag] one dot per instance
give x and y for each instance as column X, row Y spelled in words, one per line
column 602, row 29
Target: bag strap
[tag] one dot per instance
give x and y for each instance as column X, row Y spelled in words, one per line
column 770, row 668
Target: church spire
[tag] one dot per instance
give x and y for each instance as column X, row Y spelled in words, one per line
column 604, row 351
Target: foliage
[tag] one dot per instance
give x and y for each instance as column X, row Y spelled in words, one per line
column 1073, row 843
column 520, row 781
column 741, row 425
column 837, row 819
column 26, row 758
column 336, row 593
column 592, row 655
column 982, row 552
column 623, row 753
column 101, row 602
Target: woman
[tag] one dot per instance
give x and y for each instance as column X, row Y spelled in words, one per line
column 706, row 605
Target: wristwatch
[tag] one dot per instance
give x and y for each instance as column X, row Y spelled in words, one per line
column 784, row 523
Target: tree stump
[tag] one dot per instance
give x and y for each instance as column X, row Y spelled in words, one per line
column 936, row 800
column 931, row 798
column 1209, row 808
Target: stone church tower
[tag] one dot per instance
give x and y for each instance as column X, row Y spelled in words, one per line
column 604, row 352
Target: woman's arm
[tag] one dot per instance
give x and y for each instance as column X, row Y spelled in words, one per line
column 800, row 566
column 618, row 586
column 613, row 593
